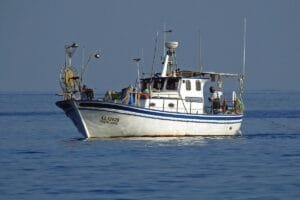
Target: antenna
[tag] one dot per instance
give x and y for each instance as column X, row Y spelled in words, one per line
column 155, row 49
column 165, row 38
column 244, row 47
column 142, row 57
column 200, row 51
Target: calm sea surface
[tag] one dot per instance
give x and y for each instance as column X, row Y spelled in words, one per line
column 42, row 156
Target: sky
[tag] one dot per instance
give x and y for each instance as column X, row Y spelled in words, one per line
column 33, row 34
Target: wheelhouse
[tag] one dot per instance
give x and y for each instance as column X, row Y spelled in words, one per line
column 174, row 94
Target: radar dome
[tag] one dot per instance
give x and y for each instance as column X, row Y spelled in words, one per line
column 171, row 45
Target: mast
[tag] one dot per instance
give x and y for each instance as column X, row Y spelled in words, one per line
column 170, row 59
column 154, row 54
column 165, row 32
column 165, row 38
column 69, row 51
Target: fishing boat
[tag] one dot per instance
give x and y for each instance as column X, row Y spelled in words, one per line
column 169, row 103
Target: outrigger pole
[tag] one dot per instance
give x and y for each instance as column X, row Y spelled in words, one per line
column 242, row 76
column 95, row 54
column 244, row 46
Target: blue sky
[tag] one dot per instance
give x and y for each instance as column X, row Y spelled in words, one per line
column 33, row 34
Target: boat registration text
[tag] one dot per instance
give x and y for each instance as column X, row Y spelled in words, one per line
column 109, row 120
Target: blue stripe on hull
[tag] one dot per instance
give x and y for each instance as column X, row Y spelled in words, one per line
column 154, row 114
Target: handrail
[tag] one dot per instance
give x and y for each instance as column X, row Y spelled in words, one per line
column 183, row 102
column 231, row 106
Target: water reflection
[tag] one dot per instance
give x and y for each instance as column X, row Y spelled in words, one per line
column 161, row 141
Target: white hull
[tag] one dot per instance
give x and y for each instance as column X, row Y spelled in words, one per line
column 101, row 119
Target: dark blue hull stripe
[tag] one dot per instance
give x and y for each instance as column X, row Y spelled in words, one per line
column 89, row 105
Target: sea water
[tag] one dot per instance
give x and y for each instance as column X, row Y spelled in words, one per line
column 42, row 156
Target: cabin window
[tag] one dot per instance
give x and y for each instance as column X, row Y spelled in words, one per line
column 172, row 84
column 188, row 85
column 158, row 84
column 145, row 85
column 198, row 85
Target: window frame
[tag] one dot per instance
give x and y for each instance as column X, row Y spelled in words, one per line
column 198, row 85
column 188, row 85
column 175, row 81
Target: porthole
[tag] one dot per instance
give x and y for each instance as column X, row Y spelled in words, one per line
column 152, row 104
column 171, row 105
